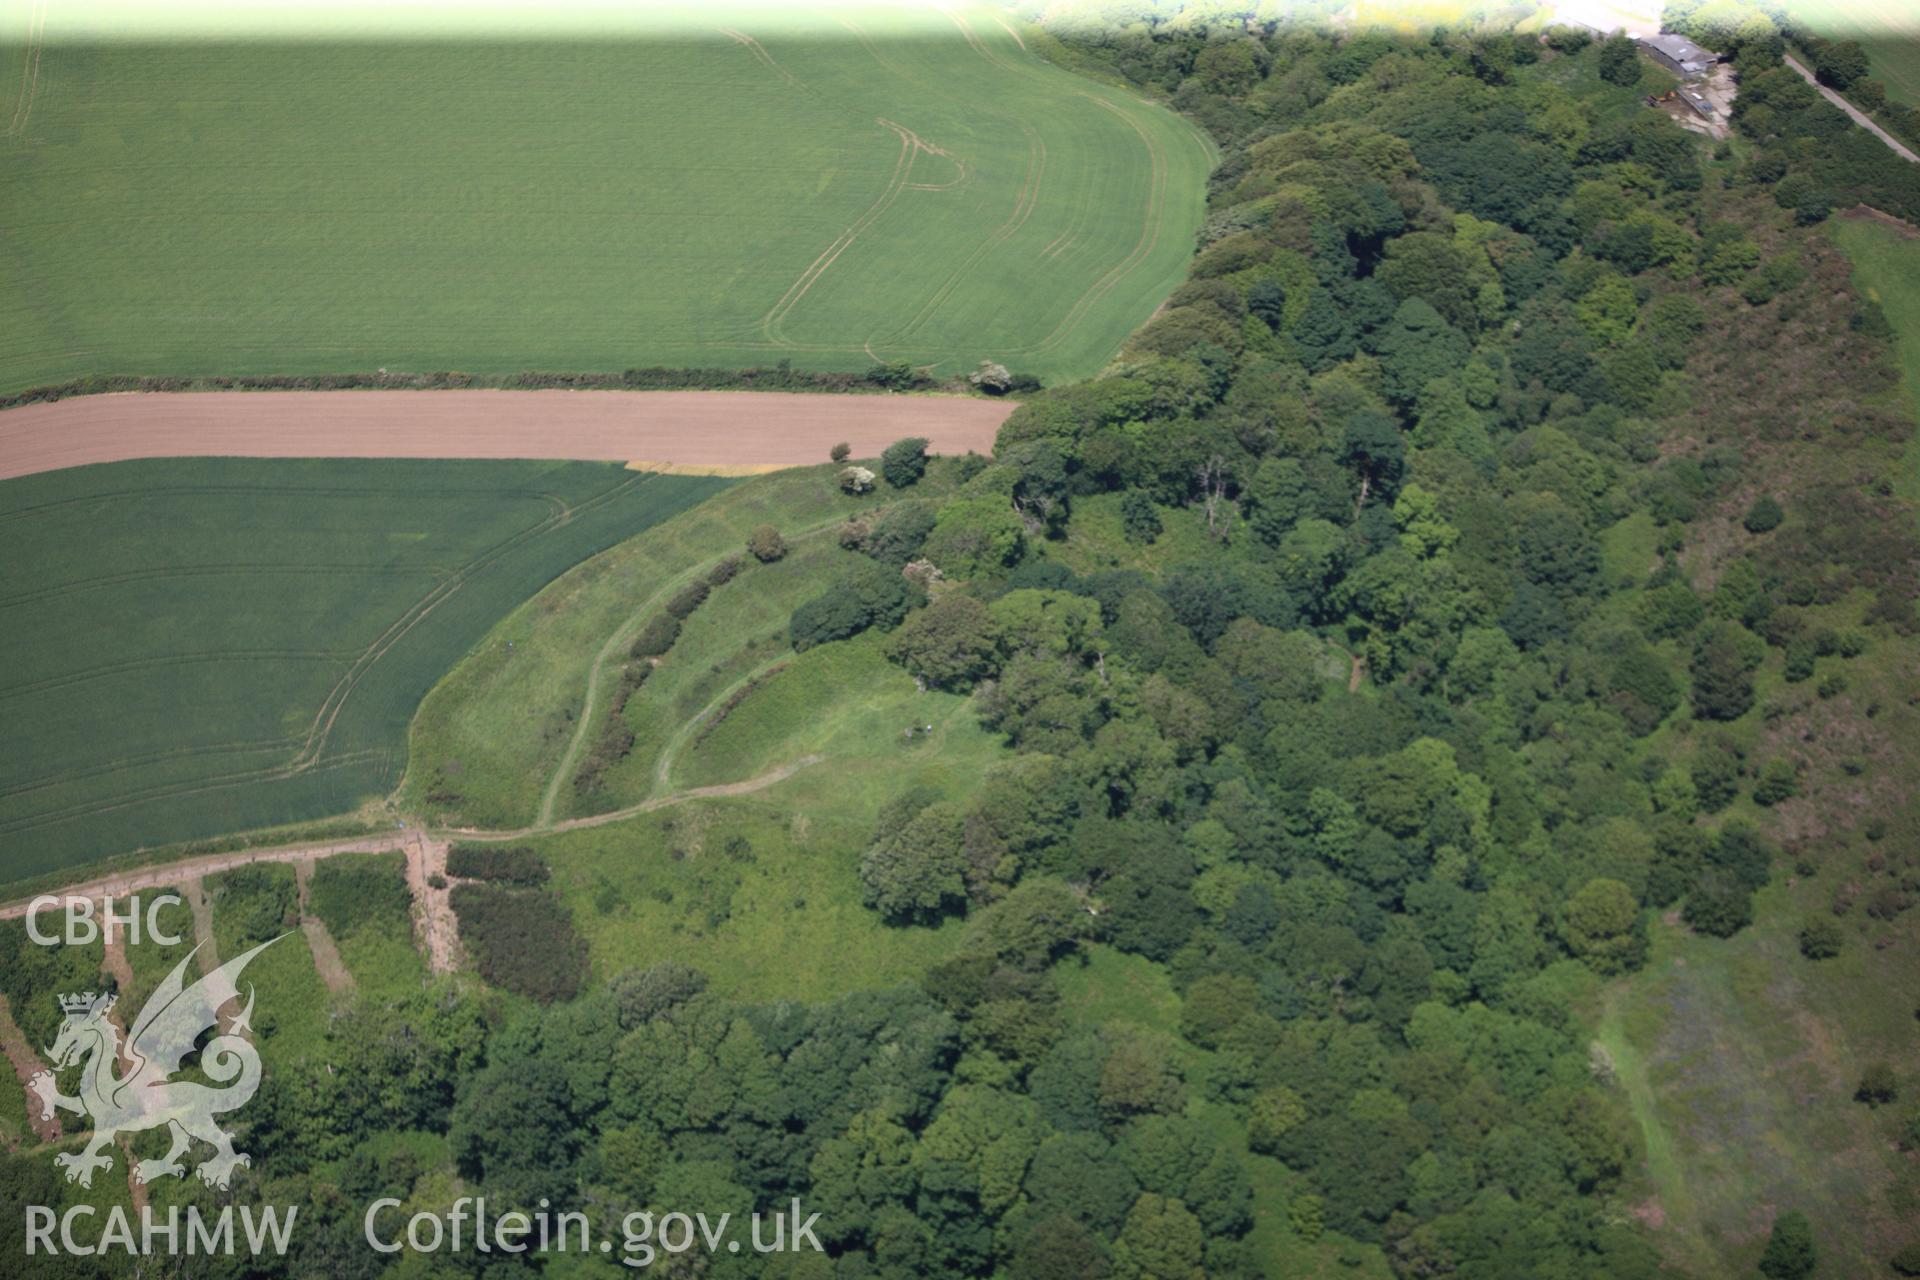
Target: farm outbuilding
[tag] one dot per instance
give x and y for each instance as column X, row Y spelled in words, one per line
column 1680, row 55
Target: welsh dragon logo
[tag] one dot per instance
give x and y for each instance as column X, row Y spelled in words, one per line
column 166, row 1031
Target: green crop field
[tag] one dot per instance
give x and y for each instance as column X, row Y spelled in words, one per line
column 917, row 187
column 204, row 645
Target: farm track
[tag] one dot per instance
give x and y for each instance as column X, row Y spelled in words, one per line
column 1853, row 113
column 771, row 323
column 426, row 857
column 326, row 955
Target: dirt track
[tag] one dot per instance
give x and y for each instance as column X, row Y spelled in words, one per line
column 692, row 428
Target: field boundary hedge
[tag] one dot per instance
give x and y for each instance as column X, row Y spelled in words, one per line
column 878, row 380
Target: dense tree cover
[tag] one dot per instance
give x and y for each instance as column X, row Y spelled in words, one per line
column 1373, row 776
column 521, row 940
column 872, row 594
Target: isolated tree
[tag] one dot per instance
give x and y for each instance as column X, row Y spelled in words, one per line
column 1820, row 938
column 766, row 544
column 1139, row 517
column 1789, row 1254
column 992, row 378
column 1878, row 1085
column 1718, row 905
column 1763, row 515
column 840, row 452
column 904, row 461
column 1779, row 780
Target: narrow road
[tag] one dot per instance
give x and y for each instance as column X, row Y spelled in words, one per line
column 434, row 919
column 1858, row 116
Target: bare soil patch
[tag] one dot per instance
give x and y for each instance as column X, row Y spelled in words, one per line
column 438, row 928
column 682, row 428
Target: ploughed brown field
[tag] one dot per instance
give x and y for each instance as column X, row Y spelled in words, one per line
column 721, row 429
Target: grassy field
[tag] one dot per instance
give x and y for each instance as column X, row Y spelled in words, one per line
column 497, row 741
column 202, row 645
column 1886, row 29
column 1739, row 1060
column 901, row 184
column 679, row 885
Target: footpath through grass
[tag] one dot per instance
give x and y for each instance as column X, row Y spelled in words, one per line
column 197, row 646
column 891, row 183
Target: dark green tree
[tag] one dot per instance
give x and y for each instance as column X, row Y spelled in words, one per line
column 1619, row 60
column 904, row 461
column 1789, row 1254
